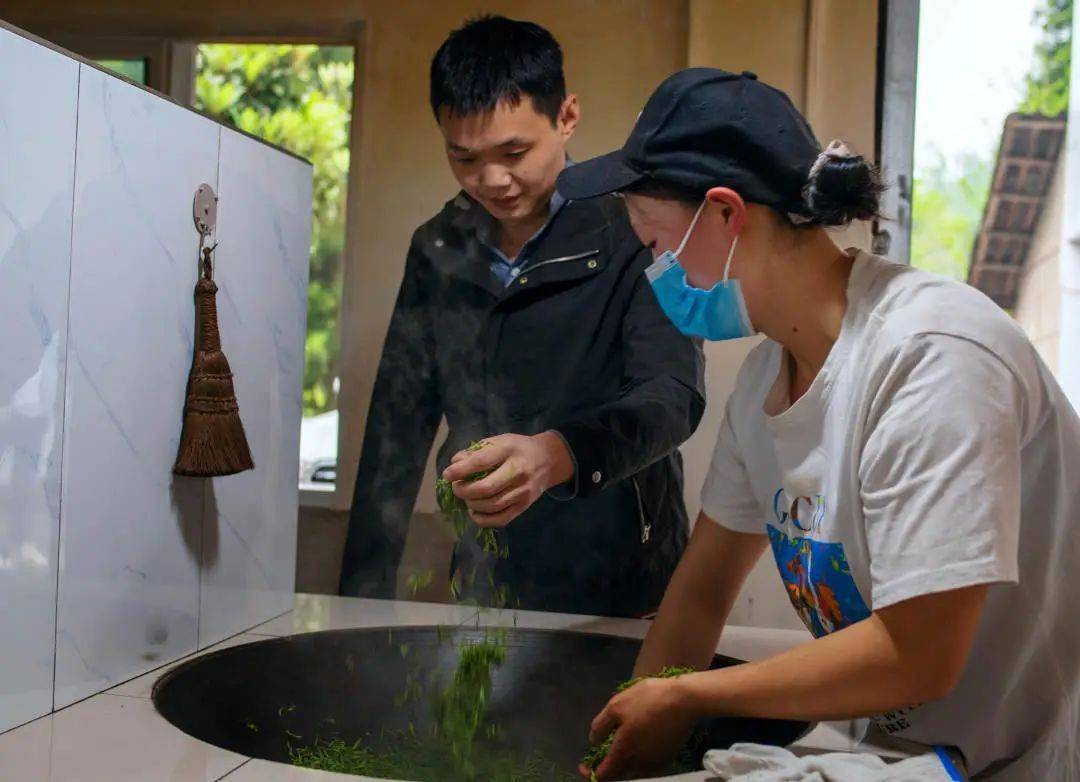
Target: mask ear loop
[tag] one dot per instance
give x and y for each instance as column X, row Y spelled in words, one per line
column 730, row 255
column 690, row 230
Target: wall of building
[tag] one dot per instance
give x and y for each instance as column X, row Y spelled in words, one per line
column 1038, row 307
column 1068, row 368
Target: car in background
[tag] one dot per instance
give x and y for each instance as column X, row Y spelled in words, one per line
column 318, row 452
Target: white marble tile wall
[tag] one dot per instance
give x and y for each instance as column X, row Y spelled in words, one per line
column 131, row 532
column 37, row 147
column 250, row 523
column 110, row 565
column 1068, row 363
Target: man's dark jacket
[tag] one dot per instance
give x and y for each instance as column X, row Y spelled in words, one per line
column 577, row 344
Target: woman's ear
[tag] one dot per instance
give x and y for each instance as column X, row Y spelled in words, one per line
column 733, row 208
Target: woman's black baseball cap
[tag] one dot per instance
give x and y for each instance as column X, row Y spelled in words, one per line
column 703, row 128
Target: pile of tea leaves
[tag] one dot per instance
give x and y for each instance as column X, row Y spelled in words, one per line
column 425, row 759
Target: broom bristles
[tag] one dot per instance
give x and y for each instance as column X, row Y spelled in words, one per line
column 213, row 444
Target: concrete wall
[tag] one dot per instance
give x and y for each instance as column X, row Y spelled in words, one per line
column 1038, row 309
column 822, row 52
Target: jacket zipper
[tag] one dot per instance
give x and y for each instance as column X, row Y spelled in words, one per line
column 646, row 527
column 563, row 259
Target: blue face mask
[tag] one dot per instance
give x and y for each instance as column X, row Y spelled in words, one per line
column 715, row 314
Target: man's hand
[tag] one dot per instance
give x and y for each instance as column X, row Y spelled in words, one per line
column 521, row 470
column 651, row 724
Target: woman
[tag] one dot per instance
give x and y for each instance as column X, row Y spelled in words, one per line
column 895, row 441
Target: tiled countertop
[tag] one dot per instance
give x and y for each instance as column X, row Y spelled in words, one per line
column 118, row 736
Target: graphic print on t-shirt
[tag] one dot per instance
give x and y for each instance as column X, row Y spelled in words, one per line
column 815, row 573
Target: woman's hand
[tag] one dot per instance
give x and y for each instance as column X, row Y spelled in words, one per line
column 651, row 724
column 520, row 470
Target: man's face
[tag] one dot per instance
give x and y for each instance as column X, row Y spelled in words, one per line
column 508, row 159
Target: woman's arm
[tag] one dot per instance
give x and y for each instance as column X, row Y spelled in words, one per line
column 908, row 653
column 699, row 597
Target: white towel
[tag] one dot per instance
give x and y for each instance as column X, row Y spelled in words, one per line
column 760, row 763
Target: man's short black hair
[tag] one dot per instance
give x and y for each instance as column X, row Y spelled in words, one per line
column 493, row 59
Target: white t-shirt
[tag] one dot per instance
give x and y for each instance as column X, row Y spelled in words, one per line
column 933, row 451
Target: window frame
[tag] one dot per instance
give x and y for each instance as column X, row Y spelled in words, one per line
column 898, row 57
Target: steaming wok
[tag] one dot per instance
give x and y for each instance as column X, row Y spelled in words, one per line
column 254, row 699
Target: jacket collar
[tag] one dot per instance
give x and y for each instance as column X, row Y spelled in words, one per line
column 576, row 235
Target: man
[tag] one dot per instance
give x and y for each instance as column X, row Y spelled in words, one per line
column 528, row 322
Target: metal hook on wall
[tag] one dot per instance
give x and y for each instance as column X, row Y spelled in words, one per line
column 204, row 212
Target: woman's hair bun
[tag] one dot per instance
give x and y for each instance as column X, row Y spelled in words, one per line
column 842, row 187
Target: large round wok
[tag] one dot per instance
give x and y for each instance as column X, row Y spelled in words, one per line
column 259, row 698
